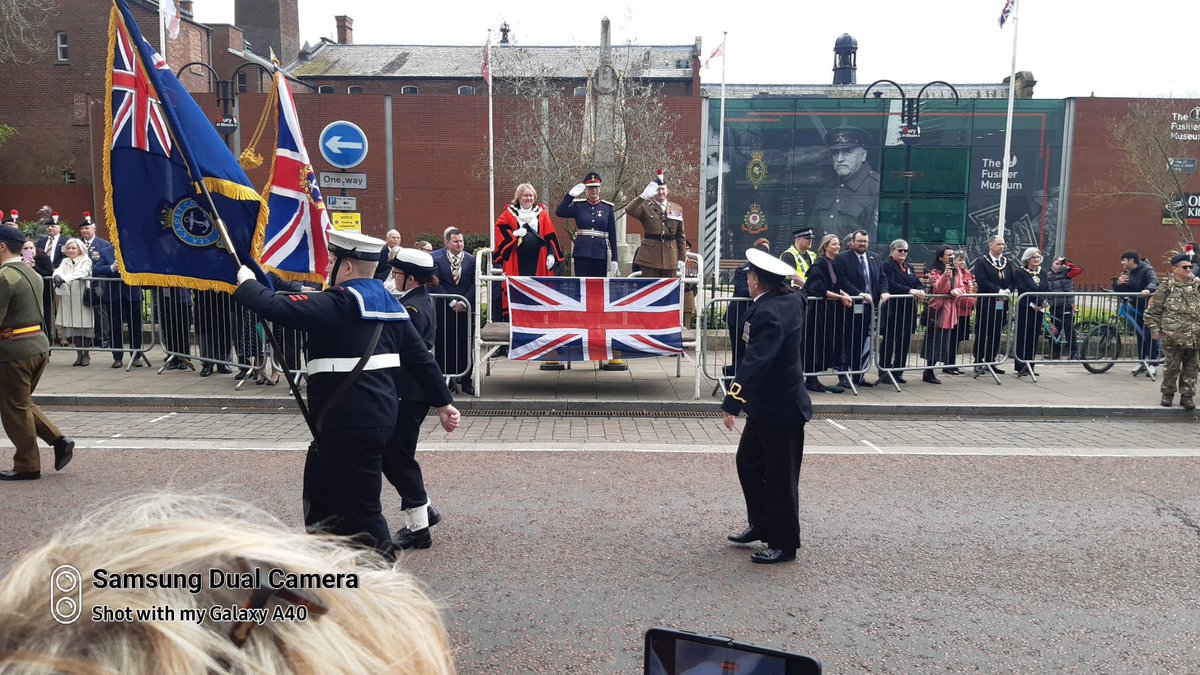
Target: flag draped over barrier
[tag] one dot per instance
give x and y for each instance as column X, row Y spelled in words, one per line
column 295, row 240
column 170, row 184
column 576, row 319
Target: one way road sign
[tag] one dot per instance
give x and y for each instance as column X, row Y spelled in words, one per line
column 343, row 144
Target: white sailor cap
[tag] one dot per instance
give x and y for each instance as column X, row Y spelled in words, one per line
column 355, row 245
column 415, row 262
column 766, row 263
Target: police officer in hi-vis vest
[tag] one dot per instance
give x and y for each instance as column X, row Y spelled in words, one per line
column 799, row 255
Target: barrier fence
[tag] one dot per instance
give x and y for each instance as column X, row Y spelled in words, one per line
column 971, row 334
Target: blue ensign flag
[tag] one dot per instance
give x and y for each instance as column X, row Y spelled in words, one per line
column 158, row 149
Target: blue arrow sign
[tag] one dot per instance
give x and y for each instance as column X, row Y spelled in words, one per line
column 343, row 144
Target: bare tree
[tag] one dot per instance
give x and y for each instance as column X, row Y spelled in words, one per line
column 1145, row 140
column 546, row 139
column 21, row 23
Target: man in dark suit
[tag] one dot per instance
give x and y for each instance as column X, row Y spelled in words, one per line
column 862, row 272
column 993, row 274
column 456, row 276
column 769, row 387
column 52, row 242
column 120, row 304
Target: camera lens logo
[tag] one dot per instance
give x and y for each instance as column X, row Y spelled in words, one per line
column 66, row 594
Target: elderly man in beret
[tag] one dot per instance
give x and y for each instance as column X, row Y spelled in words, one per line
column 851, row 202
column 1174, row 317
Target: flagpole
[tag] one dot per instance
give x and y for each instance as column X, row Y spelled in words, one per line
column 1008, row 127
column 491, row 157
column 162, row 28
column 720, row 165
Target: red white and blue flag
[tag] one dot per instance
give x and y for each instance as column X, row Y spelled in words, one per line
column 1006, row 12
column 295, row 241
column 577, row 319
column 137, row 118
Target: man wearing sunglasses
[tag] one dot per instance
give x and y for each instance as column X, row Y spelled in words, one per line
column 1174, row 318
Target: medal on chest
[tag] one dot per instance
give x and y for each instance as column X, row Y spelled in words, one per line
column 746, row 333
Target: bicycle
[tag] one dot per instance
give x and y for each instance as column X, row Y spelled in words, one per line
column 1101, row 346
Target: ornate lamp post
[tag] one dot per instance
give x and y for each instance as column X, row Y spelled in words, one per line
column 910, row 133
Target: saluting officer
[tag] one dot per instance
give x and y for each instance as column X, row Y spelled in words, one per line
column 664, row 248
column 354, row 321
column 595, row 250
column 413, row 273
column 769, row 387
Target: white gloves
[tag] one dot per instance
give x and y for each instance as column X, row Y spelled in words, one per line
column 520, row 232
column 577, row 190
column 650, row 191
column 680, row 266
column 244, row 274
column 614, row 270
column 550, row 261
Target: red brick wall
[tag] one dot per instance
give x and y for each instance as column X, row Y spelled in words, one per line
column 1099, row 230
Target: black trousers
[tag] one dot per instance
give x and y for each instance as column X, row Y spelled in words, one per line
column 856, row 348
column 768, row 466
column 400, row 464
column 342, row 482
column 214, row 324
column 125, row 313
column 989, row 321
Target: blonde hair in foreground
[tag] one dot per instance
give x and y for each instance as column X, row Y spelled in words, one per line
column 387, row 624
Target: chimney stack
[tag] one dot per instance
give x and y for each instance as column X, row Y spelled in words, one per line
column 345, row 30
column 185, row 6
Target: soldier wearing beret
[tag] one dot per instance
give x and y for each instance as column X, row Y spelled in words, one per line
column 24, row 352
column 595, row 251
column 1174, row 318
column 358, row 337
column 769, row 387
column 851, row 201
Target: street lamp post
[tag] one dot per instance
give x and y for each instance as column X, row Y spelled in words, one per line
column 910, row 133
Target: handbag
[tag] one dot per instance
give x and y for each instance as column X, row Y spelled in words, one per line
column 90, row 296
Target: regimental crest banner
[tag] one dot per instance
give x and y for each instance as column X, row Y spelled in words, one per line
column 159, row 148
column 585, row 319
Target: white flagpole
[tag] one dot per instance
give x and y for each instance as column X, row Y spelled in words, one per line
column 491, row 156
column 1008, row 127
column 162, row 28
column 720, row 164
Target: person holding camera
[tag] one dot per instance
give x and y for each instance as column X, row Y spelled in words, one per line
column 1137, row 276
column 1062, row 307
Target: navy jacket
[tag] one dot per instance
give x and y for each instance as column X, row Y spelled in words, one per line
column 420, row 312
column 598, row 217
column 466, row 279
column 850, row 274
column 336, row 330
column 769, row 384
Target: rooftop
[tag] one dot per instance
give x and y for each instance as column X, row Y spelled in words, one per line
column 967, row 91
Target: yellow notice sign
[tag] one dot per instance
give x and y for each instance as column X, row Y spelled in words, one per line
column 347, row 222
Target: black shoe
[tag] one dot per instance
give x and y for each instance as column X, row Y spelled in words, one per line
column 86, row 360
column 468, row 389
column 206, row 370
column 241, row 373
column 407, row 539
column 770, row 556
column 224, row 369
column 862, row 382
column 901, row 380
column 952, row 371
column 1188, row 402
column 930, row 378
column 814, row 387
column 64, row 450
column 746, row 536
column 20, row 475
column 118, row 364
column 843, row 382
column 434, row 516
column 999, row 370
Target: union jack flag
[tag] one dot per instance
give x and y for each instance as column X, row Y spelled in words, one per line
column 138, row 120
column 1006, row 12
column 295, row 240
column 574, row 319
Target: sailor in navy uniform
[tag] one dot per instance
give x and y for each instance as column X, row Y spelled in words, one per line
column 413, row 273
column 769, row 387
column 595, row 250
column 354, row 416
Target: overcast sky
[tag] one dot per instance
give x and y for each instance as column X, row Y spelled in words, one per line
column 1073, row 47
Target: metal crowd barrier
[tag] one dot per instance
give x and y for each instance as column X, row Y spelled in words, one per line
column 452, row 346
column 1096, row 330
column 98, row 314
column 494, row 335
column 942, row 334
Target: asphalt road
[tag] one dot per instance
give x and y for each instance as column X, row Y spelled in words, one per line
column 559, row 560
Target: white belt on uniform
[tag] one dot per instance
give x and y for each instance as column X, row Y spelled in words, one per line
column 592, row 233
column 345, row 365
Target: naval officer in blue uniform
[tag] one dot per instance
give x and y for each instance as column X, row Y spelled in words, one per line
column 769, row 387
column 355, row 320
column 595, row 251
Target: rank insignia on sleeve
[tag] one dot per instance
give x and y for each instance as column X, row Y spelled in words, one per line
column 735, row 391
column 298, row 298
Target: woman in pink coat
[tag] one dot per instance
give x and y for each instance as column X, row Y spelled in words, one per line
column 948, row 284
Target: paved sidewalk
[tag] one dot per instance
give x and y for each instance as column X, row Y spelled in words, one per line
column 648, row 385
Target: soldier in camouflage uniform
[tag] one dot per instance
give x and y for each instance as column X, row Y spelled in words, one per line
column 1174, row 318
